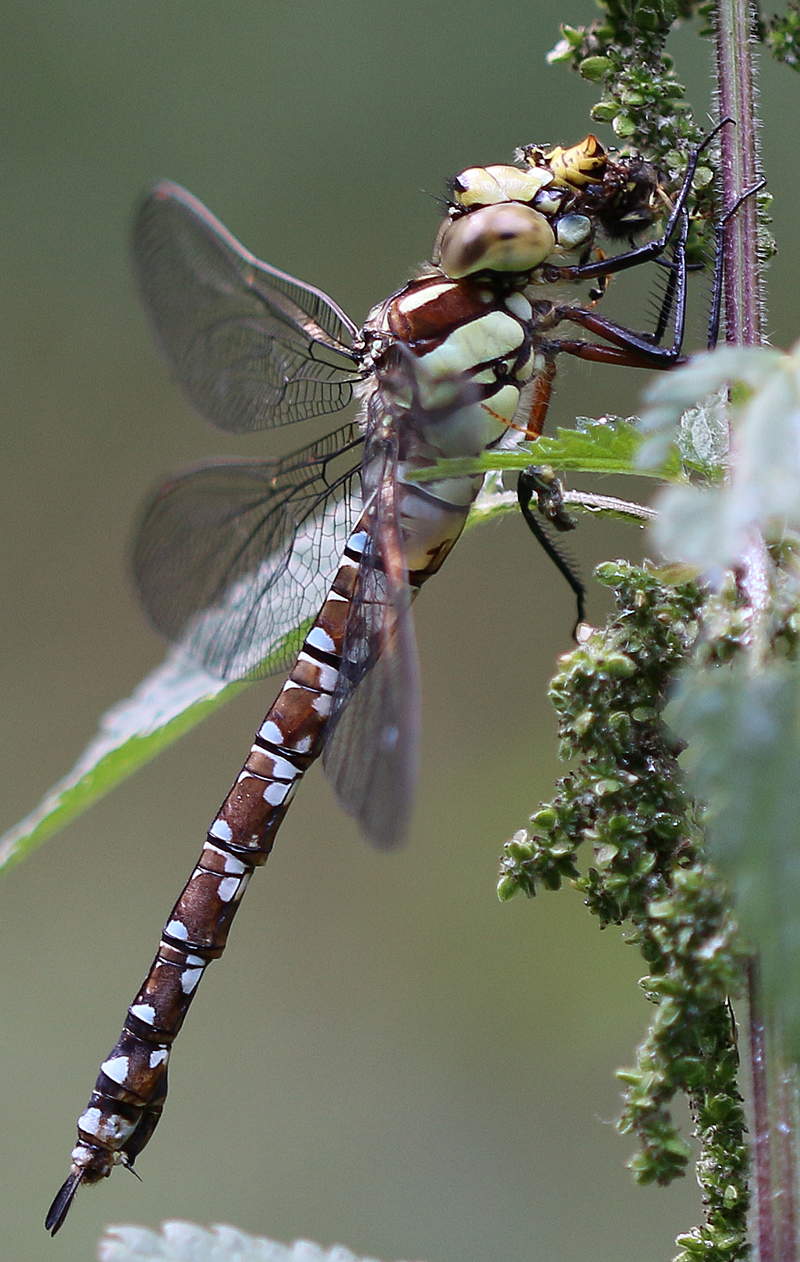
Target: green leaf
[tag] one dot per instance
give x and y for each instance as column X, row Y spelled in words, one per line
column 608, row 445
column 742, row 728
column 714, row 526
column 186, row 1242
column 173, row 699
column 688, row 387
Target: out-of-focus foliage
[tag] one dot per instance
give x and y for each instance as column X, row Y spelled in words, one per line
column 187, row 1242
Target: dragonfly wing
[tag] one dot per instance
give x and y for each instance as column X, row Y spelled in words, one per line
column 371, row 752
column 232, row 557
column 251, row 347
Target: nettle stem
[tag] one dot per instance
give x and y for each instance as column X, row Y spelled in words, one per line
column 739, row 168
column 774, row 1140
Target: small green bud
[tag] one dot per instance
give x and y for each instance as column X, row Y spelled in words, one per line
column 646, row 19
column 545, row 819
column 506, row 888
column 609, row 573
column 643, row 714
column 617, row 824
column 519, row 851
column 605, row 856
column 631, row 1077
column 691, row 1242
column 619, row 666
column 595, row 68
column 604, row 111
column 583, row 722
column 624, row 126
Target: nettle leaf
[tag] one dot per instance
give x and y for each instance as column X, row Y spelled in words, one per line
column 712, row 526
column 606, row 445
column 703, row 437
column 609, row 444
column 742, row 728
column 186, row 1242
column 170, row 701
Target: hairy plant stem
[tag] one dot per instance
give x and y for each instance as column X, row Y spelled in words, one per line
column 774, row 1143
column 762, row 1157
column 737, row 100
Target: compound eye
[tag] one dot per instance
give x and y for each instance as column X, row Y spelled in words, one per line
column 508, row 237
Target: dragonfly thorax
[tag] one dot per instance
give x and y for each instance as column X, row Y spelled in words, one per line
column 467, row 346
column 450, row 359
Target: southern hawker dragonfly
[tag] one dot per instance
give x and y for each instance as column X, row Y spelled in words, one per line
column 233, row 557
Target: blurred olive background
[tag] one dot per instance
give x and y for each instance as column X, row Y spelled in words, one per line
column 386, row 1057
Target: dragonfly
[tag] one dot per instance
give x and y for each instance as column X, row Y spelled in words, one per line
column 232, row 557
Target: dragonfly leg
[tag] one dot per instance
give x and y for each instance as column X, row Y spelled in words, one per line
column 540, row 399
column 536, row 482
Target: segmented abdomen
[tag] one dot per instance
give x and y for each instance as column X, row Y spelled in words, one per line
column 130, row 1090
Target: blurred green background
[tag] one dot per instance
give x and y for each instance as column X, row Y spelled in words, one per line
column 386, row 1057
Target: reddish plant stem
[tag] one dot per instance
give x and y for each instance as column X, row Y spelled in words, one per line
column 761, row 1137
column 735, row 77
column 785, row 1203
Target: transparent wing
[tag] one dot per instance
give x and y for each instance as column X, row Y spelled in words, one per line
column 372, row 741
column 232, row 557
column 251, row 347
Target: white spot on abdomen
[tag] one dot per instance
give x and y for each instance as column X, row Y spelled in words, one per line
column 357, row 541
column 189, row 979
column 282, row 769
column 221, row 829
column 143, row 1012
column 116, row 1069
column 112, row 1130
column 89, row 1121
column 230, row 864
column 326, row 675
column 320, row 639
column 276, row 792
column 270, row 732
